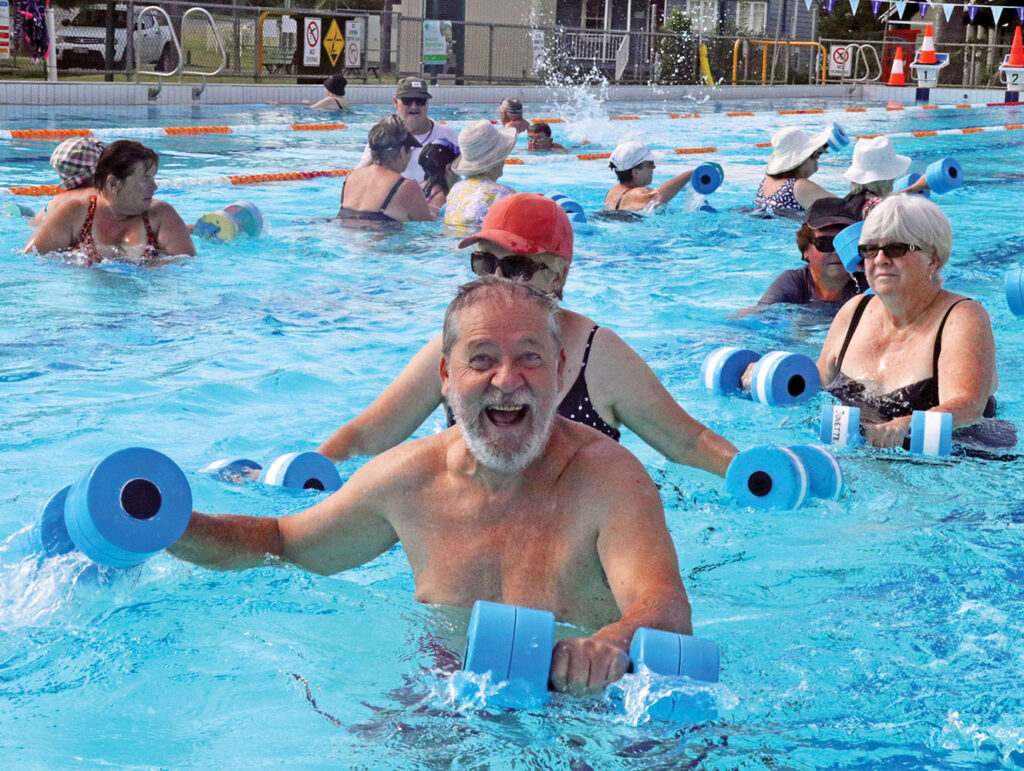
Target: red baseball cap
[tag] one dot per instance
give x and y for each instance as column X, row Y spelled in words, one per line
column 526, row 223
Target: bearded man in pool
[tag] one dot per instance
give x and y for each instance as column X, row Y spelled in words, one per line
column 515, row 504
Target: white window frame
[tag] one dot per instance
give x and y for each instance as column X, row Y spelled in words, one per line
column 746, row 11
column 704, row 15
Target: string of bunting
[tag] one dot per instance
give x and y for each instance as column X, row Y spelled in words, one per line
column 922, row 8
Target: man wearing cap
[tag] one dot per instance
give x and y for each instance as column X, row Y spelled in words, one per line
column 633, row 164
column 515, row 505
column 823, row 281
column 411, row 105
column 510, row 115
column 606, row 383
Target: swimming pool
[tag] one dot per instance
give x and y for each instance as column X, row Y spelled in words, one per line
column 882, row 630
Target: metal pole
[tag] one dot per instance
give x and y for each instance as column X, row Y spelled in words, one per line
column 490, row 53
column 51, row 49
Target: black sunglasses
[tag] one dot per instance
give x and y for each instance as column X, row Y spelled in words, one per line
column 823, row 244
column 409, row 101
column 892, row 251
column 513, row 266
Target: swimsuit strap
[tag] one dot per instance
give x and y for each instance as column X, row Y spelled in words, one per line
column 938, row 340
column 150, row 235
column 343, row 181
column 617, row 203
column 337, row 102
column 857, row 313
column 391, row 194
column 586, row 350
column 85, row 234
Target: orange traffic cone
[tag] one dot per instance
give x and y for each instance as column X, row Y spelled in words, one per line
column 1016, row 51
column 896, row 77
column 927, row 53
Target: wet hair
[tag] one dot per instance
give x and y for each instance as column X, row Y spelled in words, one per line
column 911, row 219
column 493, row 288
column 625, row 177
column 880, row 187
column 435, row 158
column 388, row 137
column 119, row 159
column 539, row 127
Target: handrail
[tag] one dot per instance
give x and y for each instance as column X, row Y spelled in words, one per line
column 861, row 56
column 174, row 39
column 764, row 56
column 216, row 36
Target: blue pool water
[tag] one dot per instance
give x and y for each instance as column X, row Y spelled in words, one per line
column 880, row 631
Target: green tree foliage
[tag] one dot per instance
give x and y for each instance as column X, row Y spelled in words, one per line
column 843, row 25
column 677, row 55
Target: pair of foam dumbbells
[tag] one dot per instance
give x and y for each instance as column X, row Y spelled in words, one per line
column 779, row 378
column 296, row 470
column 513, row 646
column 230, row 222
column 931, row 433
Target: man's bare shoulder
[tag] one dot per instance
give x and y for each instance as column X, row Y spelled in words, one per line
column 604, row 464
column 410, row 464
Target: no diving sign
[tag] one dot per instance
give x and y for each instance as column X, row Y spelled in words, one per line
column 311, row 42
column 840, row 61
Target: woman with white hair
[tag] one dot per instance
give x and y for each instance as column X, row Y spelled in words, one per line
column 874, row 169
column 912, row 345
column 484, row 150
column 786, row 189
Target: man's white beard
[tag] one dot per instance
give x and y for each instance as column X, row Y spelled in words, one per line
column 504, row 459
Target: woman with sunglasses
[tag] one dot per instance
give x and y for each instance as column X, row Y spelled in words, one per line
column 605, row 383
column 378, row 192
column 912, row 345
column 823, row 281
column 786, row 189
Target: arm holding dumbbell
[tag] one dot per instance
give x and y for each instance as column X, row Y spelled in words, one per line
column 642, row 570
column 622, row 382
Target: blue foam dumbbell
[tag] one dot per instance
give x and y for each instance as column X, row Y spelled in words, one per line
column 577, row 216
column 1015, row 291
column 767, row 477
column 303, row 471
column 845, row 242
column 513, row 645
column 781, row 378
column 906, row 181
column 15, row 209
column 132, row 504
column 931, row 433
column 707, row 178
column 837, row 137
column 824, row 474
column 722, row 370
column 944, row 175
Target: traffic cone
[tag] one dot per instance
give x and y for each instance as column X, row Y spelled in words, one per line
column 896, row 77
column 1016, row 51
column 927, row 53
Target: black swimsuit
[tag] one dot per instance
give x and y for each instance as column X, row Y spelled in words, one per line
column 345, row 213
column 922, row 395
column 576, row 405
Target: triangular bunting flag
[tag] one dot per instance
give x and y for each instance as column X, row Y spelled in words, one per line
column 997, row 10
column 972, row 11
column 1020, row 14
column 808, row 4
column 853, row 6
column 829, row 5
column 922, row 8
column 901, row 6
column 948, row 9
column 876, row 5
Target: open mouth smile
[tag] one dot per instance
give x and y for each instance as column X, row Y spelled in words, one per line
column 506, row 414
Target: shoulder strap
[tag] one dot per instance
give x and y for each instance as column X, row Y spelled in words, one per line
column 344, row 181
column 938, row 339
column 150, row 235
column 617, row 204
column 586, row 351
column 391, row 194
column 857, row 313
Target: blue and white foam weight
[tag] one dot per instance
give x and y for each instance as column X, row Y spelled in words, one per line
column 722, row 369
column 235, row 470
column 302, row 471
column 514, row 646
column 707, row 178
column 845, row 242
column 1015, row 291
column 51, row 535
column 248, row 217
column 944, row 175
column 837, row 137
column 132, row 504
column 675, row 655
column 904, row 182
column 824, row 474
column 840, row 426
column 780, row 379
column 931, row 433
column 767, row 477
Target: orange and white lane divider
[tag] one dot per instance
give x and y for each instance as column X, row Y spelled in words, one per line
column 259, row 128
column 183, row 183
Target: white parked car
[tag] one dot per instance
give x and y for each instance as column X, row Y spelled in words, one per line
column 82, row 39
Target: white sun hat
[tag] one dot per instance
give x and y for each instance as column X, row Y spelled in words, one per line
column 791, row 147
column 875, row 159
column 483, row 145
column 629, row 155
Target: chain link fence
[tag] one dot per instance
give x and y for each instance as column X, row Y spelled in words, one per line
column 231, row 43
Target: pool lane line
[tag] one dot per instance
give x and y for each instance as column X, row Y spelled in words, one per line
column 250, row 128
column 182, row 183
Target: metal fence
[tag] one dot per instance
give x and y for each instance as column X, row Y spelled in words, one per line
column 257, row 44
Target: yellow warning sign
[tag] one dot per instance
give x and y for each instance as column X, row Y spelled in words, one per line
column 334, row 42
